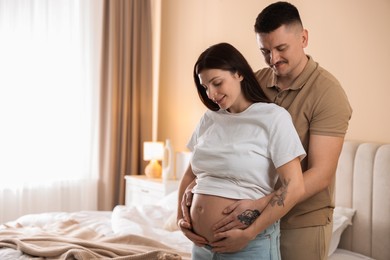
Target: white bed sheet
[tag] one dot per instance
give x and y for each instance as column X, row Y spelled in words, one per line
column 148, row 221
column 99, row 221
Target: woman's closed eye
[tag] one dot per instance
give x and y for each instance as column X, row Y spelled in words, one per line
column 217, row 83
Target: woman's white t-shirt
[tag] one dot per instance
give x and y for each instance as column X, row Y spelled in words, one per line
column 234, row 155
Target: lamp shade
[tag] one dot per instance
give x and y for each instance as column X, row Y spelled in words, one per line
column 153, row 151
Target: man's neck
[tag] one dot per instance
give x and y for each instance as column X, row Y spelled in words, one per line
column 286, row 81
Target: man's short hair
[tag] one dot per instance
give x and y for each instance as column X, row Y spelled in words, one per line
column 276, row 15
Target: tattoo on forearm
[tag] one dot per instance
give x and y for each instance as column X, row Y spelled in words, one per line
column 248, row 216
column 280, row 194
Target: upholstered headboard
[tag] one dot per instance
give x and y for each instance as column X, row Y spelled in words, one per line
column 363, row 183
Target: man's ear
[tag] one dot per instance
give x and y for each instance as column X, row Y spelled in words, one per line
column 305, row 38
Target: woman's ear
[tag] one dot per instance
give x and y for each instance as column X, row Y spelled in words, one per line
column 239, row 76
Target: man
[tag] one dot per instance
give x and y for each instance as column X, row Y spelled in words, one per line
column 320, row 111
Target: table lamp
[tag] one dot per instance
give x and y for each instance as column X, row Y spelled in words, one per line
column 153, row 152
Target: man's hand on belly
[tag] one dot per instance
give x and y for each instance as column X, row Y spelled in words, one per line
column 240, row 214
column 231, row 241
column 248, row 216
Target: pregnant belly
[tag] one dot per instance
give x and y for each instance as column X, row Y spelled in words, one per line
column 206, row 210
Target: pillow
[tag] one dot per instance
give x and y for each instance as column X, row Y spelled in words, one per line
column 342, row 217
column 170, row 224
column 170, row 202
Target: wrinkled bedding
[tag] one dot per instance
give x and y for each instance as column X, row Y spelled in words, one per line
column 147, row 232
column 124, row 233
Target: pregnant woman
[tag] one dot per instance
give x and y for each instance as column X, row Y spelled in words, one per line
column 241, row 146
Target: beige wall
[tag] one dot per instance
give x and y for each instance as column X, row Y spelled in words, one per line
column 350, row 38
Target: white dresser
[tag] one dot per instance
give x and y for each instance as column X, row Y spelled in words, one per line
column 141, row 190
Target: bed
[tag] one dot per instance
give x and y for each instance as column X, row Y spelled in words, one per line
column 361, row 221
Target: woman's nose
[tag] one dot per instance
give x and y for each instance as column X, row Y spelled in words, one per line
column 211, row 93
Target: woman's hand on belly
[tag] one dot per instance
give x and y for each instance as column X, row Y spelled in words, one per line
column 185, row 227
column 206, row 210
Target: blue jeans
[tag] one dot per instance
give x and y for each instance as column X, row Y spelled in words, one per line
column 265, row 247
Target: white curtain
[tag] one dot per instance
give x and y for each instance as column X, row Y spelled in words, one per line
column 49, row 67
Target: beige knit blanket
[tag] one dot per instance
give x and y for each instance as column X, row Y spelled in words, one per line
column 67, row 240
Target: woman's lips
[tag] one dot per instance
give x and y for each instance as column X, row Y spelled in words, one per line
column 219, row 100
